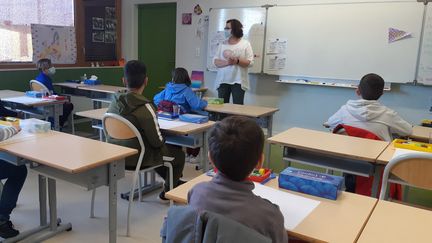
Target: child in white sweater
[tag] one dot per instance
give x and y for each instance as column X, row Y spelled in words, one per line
column 368, row 114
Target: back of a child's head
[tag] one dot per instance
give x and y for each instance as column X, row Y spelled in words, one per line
column 181, row 76
column 135, row 73
column 236, row 146
column 371, row 86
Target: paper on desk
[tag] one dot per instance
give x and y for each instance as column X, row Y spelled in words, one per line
column 294, row 208
column 26, row 100
column 168, row 124
column 399, row 151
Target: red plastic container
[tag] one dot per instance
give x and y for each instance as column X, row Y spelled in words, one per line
column 267, row 173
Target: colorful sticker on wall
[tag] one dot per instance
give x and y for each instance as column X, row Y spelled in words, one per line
column 187, row 18
column 198, row 9
column 397, row 35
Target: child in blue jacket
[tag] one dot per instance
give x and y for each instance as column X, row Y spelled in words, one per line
column 180, row 92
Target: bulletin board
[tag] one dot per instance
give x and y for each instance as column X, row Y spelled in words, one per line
column 101, row 30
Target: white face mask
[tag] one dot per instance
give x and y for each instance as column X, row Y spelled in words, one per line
column 227, row 33
column 51, row 70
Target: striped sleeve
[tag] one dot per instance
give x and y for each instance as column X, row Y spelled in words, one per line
column 151, row 128
column 7, row 132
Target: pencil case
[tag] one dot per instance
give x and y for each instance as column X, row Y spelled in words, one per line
column 34, row 94
column 193, row 118
column 426, row 123
column 215, row 101
column 9, row 121
column 412, row 145
column 167, row 115
column 311, row 182
column 55, row 97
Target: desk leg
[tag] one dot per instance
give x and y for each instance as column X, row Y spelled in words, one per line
column 52, row 201
column 205, row 153
column 113, row 202
column 376, row 181
column 268, row 146
column 42, row 201
column 57, row 112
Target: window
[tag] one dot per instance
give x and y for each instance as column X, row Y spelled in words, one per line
column 15, row 19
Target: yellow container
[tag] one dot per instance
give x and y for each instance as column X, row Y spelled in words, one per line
column 412, row 145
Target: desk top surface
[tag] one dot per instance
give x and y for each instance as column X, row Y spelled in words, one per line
column 393, row 222
column 241, row 110
column 66, row 152
column 10, row 93
column 331, row 144
column 99, row 88
column 332, row 221
column 190, row 128
column 421, row 134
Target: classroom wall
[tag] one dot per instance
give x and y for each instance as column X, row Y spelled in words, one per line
column 301, row 105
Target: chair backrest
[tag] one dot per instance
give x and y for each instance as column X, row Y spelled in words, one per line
column 355, row 132
column 413, row 169
column 38, row 86
column 118, row 127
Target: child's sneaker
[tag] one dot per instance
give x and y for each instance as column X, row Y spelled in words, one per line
column 162, row 197
column 7, row 230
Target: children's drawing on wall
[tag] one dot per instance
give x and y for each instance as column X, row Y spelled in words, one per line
column 187, row 18
column 397, row 35
column 200, row 29
column 98, row 23
column 98, row 36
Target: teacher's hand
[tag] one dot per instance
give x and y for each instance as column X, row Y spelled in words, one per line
column 233, row 60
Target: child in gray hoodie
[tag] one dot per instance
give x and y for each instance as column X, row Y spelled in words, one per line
column 368, row 114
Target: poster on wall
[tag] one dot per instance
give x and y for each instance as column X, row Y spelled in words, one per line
column 57, row 43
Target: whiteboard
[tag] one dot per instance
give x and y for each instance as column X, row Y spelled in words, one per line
column 253, row 20
column 425, row 67
column 345, row 41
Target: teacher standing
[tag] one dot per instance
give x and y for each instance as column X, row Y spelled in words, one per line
column 233, row 58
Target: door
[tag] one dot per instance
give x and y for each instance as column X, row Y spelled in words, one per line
column 156, row 43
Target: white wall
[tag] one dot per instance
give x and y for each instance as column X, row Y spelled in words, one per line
column 300, row 105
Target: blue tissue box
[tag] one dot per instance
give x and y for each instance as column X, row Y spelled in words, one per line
column 193, row 118
column 34, row 94
column 311, row 182
column 92, row 82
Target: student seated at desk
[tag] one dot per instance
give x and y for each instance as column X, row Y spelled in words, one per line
column 235, row 149
column 179, row 91
column 15, row 176
column 368, row 114
column 46, row 72
column 133, row 106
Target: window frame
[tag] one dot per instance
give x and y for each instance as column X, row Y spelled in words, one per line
column 80, row 42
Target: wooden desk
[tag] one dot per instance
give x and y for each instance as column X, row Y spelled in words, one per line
column 421, row 134
column 41, row 108
column 73, row 159
column 99, row 93
column 264, row 116
column 386, row 155
column 332, row 151
column 332, row 221
column 397, row 223
column 191, row 135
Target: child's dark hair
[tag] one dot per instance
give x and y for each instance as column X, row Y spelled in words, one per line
column 236, row 28
column 236, row 145
column 371, row 86
column 181, row 76
column 135, row 73
column 43, row 64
